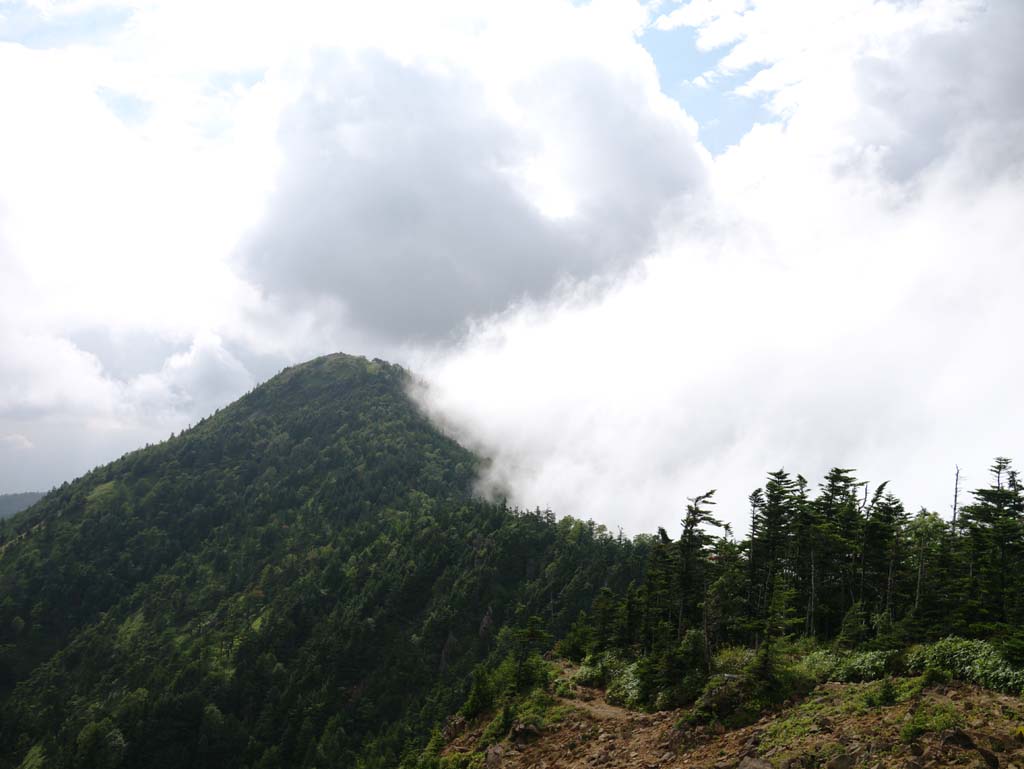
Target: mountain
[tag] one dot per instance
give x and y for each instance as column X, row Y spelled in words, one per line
column 302, row 579
column 306, row 579
column 15, row 503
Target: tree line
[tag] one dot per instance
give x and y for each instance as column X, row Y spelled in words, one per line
column 841, row 564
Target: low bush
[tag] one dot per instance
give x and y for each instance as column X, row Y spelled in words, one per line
column 882, row 694
column 973, row 661
column 852, row 667
column 732, row 660
column 626, row 688
column 598, row 670
column 863, row 666
column 930, row 718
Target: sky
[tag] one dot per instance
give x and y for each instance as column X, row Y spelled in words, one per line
column 631, row 250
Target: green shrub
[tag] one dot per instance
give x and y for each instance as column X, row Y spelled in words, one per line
column 881, row 694
column 481, row 694
column 824, row 665
column 461, row 761
column 932, row 676
column 578, row 641
column 731, row 700
column 598, row 669
column 819, row 665
column 565, row 689
column 732, row 659
column 972, row 661
column 739, row 699
column 863, row 666
column 626, row 687
column 930, row 718
column 498, row 727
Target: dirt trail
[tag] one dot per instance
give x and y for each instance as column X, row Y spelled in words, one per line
column 598, row 709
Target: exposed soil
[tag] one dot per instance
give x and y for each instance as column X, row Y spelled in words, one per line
column 835, row 727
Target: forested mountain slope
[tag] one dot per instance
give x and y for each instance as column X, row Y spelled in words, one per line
column 303, row 579
column 15, row 503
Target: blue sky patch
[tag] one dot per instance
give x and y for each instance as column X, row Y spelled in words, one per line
column 723, row 116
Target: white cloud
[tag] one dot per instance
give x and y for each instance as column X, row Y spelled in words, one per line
column 839, row 306
column 192, row 198
column 17, row 441
column 411, row 197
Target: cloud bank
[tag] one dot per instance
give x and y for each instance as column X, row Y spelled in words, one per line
column 849, row 300
column 503, row 197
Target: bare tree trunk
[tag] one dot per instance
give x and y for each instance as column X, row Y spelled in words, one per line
column 920, row 575
column 956, row 494
column 809, row 621
column 890, row 582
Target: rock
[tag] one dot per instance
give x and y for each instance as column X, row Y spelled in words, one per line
column 453, row 727
column 879, row 746
column 957, row 737
column 752, row 762
column 842, row 761
column 989, row 756
column 493, row 757
column 520, row 732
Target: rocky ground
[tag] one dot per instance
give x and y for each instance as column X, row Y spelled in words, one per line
column 838, row 726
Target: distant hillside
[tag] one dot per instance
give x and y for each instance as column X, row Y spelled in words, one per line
column 15, row 503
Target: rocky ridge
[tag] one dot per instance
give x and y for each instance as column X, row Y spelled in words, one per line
column 838, row 726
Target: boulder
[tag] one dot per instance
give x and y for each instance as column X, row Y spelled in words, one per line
column 493, row 756
column 842, row 761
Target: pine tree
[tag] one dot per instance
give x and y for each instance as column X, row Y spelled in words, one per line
column 773, row 511
column 693, row 547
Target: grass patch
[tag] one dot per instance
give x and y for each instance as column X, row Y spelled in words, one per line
column 930, row 717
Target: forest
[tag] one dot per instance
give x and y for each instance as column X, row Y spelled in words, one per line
column 307, row 579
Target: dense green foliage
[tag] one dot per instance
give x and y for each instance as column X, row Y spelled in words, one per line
column 305, row 579
column 830, row 586
column 15, row 503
